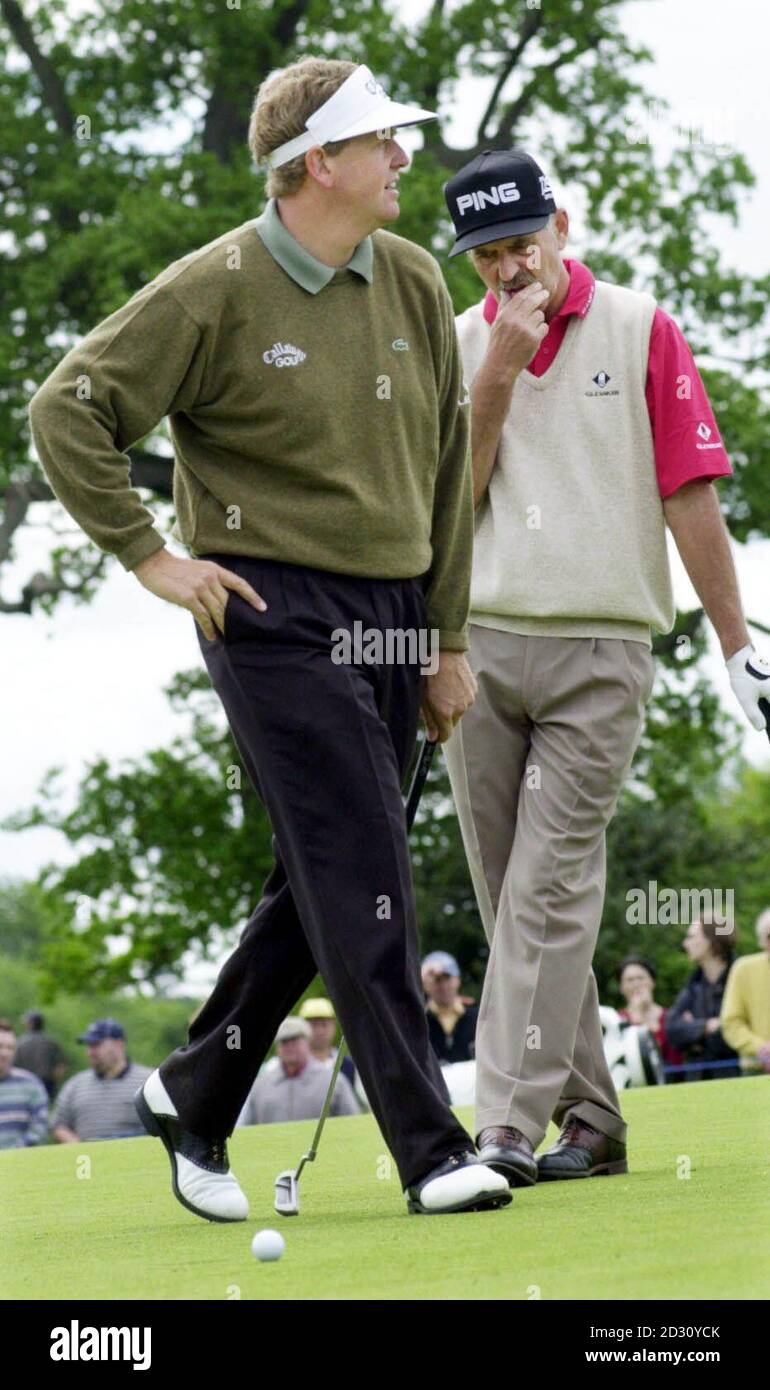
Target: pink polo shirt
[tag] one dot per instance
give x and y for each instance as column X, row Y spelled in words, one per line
column 685, row 435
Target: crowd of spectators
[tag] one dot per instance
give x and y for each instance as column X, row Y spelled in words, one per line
column 95, row 1103
column 717, row 1026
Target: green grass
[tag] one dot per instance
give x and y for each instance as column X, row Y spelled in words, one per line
column 119, row 1234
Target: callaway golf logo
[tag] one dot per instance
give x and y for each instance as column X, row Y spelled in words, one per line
column 602, row 380
column 284, row 355
column 76, row 1343
column 704, row 434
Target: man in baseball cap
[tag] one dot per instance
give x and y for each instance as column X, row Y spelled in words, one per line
column 101, row 1029
column 320, row 1014
column 585, row 447
column 451, row 1020
column 292, row 1028
column 501, row 193
column 296, row 1088
column 440, row 963
column 99, row 1103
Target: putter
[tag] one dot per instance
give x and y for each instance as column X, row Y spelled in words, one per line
column 287, row 1184
column 764, row 705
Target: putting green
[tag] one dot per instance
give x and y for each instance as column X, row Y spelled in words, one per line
column 655, row 1233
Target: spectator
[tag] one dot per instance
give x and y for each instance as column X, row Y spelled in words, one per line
column 297, row 1087
column 692, row 1022
column 745, row 1017
column 636, row 980
column 40, row 1054
column 23, row 1101
column 451, row 1020
column 99, row 1103
column 320, row 1016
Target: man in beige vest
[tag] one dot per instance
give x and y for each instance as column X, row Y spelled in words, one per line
column 591, row 431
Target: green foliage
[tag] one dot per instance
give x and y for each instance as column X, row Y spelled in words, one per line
column 702, row 837
column 124, row 148
column 173, row 848
column 154, row 1026
column 168, row 854
column 28, row 916
column 168, row 861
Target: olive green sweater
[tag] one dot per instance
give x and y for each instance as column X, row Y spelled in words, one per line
column 328, row 429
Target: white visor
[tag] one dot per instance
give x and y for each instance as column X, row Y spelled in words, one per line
column 358, row 107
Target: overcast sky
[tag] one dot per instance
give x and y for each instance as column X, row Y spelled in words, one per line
column 89, row 682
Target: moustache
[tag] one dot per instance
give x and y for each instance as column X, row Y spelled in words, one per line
column 516, row 285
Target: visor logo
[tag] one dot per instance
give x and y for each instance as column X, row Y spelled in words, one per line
column 501, row 193
column 375, row 88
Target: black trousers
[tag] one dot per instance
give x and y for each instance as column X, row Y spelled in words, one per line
column 326, row 746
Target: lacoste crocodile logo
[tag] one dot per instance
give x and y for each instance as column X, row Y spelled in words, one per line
column 284, row 355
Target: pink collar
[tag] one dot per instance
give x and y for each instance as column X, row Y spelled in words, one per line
column 579, row 295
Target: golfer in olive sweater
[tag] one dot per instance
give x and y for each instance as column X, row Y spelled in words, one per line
column 308, row 365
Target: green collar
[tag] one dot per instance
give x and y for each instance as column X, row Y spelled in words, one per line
column 311, row 274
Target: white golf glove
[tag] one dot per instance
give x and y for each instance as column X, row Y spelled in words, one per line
column 750, row 680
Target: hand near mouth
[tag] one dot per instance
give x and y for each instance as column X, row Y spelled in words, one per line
column 518, row 329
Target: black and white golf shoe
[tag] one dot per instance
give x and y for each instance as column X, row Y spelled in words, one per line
column 460, row 1183
column 200, row 1172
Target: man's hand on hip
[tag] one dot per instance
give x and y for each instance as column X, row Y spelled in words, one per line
column 200, row 585
column 447, row 695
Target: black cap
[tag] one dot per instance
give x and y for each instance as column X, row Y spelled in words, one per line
column 101, row 1029
column 501, row 193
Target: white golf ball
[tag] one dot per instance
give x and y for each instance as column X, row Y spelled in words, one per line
column 268, row 1245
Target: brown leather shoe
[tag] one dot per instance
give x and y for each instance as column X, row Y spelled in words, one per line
column 582, row 1152
column 506, row 1150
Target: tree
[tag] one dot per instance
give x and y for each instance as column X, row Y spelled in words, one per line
column 171, row 849
column 124, row 149
column 169, row 852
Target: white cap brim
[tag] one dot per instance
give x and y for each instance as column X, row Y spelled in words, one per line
column 391, row 114
column 360, row 106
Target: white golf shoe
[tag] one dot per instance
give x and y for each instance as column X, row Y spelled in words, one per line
column 460, row 1183
column 200, row 1172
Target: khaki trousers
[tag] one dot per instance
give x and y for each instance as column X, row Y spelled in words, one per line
column 536, row 768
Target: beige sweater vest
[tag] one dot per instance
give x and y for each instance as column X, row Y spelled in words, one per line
column 570, row 539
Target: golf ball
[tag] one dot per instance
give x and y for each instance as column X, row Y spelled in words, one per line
column 268, row 1245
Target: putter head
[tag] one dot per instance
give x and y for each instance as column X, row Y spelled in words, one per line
column 287, row 1194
